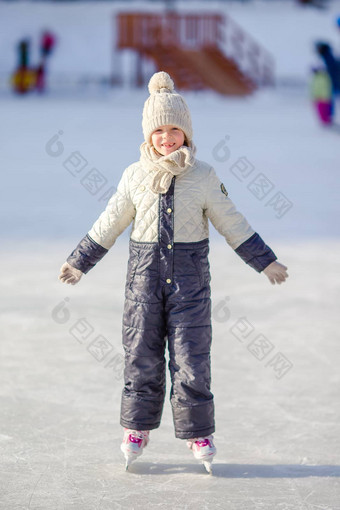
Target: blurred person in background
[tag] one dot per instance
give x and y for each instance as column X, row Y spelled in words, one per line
column 23, row 79
column 322, row 95
column 47, row 44
column 331, row 62
column 26, row 78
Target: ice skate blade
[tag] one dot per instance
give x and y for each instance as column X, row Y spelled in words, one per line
column 129, row 458
column 207, row 466
column 128, row 464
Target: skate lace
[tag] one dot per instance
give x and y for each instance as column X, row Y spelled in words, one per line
column 138, row 434
column 202, row 441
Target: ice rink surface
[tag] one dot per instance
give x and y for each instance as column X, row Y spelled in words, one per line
column 276, row 349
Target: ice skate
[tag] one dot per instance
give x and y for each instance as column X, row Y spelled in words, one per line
column 204, row 450
column 133, row 443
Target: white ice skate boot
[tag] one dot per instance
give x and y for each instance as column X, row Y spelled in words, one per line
column 133, row 443
column 203, row 449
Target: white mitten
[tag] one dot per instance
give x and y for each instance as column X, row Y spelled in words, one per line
column 276, row 272
column 69, row 274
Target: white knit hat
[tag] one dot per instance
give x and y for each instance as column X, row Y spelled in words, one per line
column 165, row 107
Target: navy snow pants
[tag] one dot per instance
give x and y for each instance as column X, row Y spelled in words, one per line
column 167, row 298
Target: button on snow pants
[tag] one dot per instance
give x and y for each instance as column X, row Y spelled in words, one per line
column 167, row 297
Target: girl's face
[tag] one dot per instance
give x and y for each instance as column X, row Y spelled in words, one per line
column 167, row 139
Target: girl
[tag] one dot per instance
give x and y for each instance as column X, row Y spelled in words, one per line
column 169, row 196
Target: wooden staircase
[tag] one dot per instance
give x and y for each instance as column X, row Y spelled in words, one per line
column 189, row 48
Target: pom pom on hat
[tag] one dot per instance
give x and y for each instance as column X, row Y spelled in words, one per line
column 165, row 107
column 160, row 81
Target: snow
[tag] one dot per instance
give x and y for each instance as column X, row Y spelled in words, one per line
column 277, row 434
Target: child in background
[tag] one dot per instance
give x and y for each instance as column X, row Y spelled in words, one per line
column 47, row 44
column 322, row 95
column 168, row 196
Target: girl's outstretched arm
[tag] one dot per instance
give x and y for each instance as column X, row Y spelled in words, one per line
column 111, row 223
column 234, row 227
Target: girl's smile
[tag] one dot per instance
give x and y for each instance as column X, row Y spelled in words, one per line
column 167, row 139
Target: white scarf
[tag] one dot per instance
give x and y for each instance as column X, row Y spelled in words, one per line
column 164, row 168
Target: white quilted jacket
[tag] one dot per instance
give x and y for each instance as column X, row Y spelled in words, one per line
column 197, row 198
